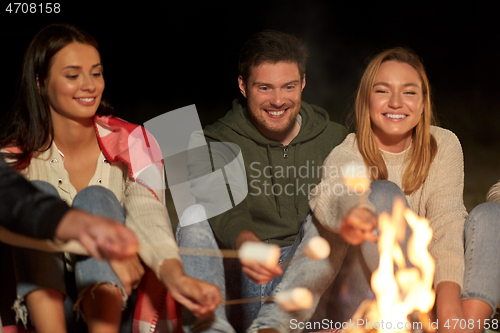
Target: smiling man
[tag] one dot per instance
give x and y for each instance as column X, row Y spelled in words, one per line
column 283, row 141
column 273, row 97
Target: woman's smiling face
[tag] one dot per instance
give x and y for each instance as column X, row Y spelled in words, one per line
column 75, row 82
column 396, row 105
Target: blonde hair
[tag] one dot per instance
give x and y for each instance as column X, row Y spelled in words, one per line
column 423, row 145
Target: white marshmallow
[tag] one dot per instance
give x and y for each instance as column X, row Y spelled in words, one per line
column 317, row 248
column 262, row 253
column 295, row 299
column 357, row 184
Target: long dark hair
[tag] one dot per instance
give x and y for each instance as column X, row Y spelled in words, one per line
column 29, row 123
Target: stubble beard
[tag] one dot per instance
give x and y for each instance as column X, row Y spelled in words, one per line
column 270, row 130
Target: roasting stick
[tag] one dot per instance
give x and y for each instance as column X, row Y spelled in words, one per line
column 12, row 238
column 208, row 252
column 355, row 182
column 266, row 254
column 290, row 300
column 248, row 300
column 358, row 181
column 262, row 253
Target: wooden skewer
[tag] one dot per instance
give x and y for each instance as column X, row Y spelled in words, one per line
column 354, row 182
column 259, row 252
column 224, row 253
column 290, row 300
column 248, row 300
column 288, row 262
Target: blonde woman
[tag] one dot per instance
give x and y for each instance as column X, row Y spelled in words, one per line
column 409, row 157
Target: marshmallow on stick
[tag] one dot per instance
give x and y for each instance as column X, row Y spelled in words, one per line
column 295, row 299
column 317, row 248
column 262, row 253
column 356, row 179
column 290, row 300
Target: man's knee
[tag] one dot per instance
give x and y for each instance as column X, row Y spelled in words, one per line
column 193, row 230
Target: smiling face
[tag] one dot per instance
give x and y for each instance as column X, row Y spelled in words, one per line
column 75, row 82
column 273, row 93
column 396, row 105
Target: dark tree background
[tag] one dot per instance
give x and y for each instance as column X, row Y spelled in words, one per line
column 159, row 57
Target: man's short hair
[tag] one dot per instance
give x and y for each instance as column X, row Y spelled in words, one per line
column 271, row 46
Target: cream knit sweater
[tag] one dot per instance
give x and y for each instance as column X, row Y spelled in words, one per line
column 439, row 199
column 494, row 193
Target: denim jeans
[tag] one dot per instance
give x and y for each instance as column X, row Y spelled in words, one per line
column 36, row 269
column 482, row 259
column 233, row 283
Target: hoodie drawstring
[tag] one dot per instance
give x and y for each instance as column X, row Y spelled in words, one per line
column 294, row 180
column 278, row 208
column 296, row 162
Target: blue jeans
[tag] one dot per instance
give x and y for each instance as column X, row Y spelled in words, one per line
column 482, row 259
column 234, row 284
column 37, row 270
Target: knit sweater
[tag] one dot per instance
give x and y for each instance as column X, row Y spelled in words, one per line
column 439, row 198
column 494, row 193
column 24, row 209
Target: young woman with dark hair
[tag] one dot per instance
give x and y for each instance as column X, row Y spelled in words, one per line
column 62, row 137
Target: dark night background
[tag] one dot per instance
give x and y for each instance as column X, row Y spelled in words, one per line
column 159, row 57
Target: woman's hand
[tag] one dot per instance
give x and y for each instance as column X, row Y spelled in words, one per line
column 358, row 226
column 199, row 297
column 129, row 271
column 449, row 308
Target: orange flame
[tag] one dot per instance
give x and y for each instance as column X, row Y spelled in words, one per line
column 409, row 288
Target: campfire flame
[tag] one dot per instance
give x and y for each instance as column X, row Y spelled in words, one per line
column 409, row 288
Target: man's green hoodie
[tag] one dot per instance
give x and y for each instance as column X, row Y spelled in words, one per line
column 279, row 177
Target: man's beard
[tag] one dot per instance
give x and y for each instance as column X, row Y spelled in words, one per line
column 268, row 128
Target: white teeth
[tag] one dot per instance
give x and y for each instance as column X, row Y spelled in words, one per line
column 90, row 99
column 395, row 116
column 276, row 113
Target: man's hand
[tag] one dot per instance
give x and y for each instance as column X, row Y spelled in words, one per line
column 199, row 297
column 358, row 226
column 103, row 238
column 256, row 272
column 129, row 271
